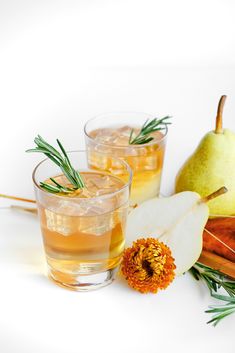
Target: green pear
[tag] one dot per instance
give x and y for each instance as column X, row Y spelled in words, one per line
column 212, row 165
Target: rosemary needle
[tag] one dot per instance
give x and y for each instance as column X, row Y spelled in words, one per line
column 147, row 129
column 214, row 280
column 221, row 311
column 62, row 160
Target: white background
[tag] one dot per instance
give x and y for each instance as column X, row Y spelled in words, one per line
column 61, row 62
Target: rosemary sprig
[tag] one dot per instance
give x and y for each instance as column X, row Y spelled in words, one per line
column 56, row 188
column 221, row 311
column 215, row 280
column 147, row 129
column 62, row 160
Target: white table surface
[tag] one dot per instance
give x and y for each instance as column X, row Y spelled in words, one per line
column 49, row 86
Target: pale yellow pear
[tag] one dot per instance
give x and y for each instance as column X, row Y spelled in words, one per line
column 178, row 221
column 212, row 165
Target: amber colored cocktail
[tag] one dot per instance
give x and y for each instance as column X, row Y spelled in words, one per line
column 83, row 232
column 108, row 136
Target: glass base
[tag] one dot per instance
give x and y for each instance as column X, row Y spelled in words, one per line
column 83, row 283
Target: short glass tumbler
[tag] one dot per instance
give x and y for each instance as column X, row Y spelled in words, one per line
column 84, row 235
column 108, row 136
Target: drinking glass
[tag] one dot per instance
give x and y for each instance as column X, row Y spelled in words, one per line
column 84, row 236
column 107, row 136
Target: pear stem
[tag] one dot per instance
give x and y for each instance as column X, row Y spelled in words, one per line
column 17, row 198
column 219, row 120
column 214, row 194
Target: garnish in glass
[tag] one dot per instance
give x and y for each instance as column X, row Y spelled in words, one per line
column 147, row 129
column 62, row 160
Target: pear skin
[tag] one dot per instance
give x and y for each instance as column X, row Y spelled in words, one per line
column 210, row 166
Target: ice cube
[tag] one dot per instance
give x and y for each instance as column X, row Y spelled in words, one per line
column 102, row 182
column 98, row 225
column 95, row 217
column 151, row 162
column 114, row 136
column 73, row 207
column 125, row 130
column 87, row 192
column 121, row 136
column 59, row 223
column 60, row 217
column 106, row 191
column 106, row 135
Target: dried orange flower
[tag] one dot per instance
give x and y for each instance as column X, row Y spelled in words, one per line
column 148, row 265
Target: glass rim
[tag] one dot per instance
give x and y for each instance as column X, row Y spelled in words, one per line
column 97, row 117
column 127, row 184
